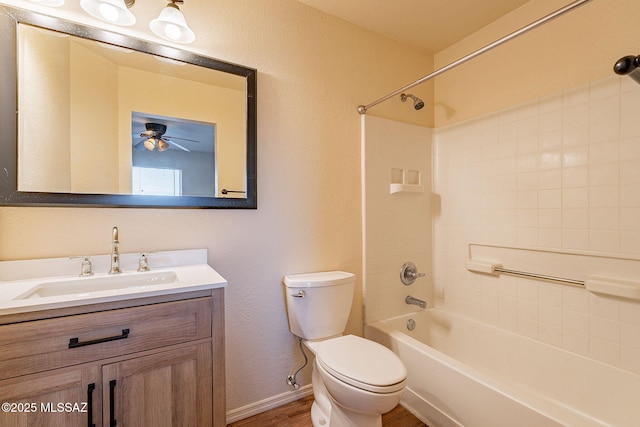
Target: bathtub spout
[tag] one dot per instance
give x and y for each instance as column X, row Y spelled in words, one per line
column 415, row 301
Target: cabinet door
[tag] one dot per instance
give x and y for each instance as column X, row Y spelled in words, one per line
column 167, row 389
column 60, row 398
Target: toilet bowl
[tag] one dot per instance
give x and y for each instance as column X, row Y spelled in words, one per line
column 354, row 380
column 362, row 380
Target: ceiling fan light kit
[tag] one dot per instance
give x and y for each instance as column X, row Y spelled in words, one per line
column 154, row 138
column 170, row 24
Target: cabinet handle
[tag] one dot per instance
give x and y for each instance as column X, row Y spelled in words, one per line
column 90, row 389
column 112, row 402
column 75, row 342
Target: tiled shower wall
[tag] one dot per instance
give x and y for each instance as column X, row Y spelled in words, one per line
column 396, row 227
column 559, row 173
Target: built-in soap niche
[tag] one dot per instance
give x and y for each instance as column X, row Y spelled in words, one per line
column 405, row 181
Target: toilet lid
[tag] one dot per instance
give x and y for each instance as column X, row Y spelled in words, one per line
column 362, row 363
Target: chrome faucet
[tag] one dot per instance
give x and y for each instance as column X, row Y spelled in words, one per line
column 115, row 255
column 415, row 301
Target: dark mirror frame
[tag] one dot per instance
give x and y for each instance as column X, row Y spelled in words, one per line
column 9, row 194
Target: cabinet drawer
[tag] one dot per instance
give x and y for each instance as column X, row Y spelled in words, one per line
column 54, row 343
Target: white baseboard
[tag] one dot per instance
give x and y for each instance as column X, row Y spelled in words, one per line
column 269, row 403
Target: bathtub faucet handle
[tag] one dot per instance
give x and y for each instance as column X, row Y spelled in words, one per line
column 409, row 273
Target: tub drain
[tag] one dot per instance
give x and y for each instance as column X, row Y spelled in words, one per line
column 411, row 324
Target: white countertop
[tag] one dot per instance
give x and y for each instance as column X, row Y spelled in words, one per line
column 17, row 278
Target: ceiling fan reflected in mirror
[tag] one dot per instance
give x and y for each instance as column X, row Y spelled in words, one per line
column 154, row 139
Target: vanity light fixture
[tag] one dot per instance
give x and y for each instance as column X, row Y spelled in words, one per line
column 112, row 11
column 171, row 25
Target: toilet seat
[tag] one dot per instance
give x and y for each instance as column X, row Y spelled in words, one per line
column 362, row 363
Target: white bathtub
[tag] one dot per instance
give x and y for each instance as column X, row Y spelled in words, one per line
column 467, row 373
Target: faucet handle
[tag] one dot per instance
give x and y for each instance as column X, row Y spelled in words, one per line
column 85, row 267
column 143, row 262
column 409, row 273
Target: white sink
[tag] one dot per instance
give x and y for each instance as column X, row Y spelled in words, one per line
column 50, row 283
column 82, row 286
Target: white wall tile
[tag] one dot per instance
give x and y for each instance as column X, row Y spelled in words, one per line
column 604, row 88
column 575, row 300
column 550, row 315
column 575, row 342
column 630, row 359
column 630, row 312
column 605, row 307
column 575, row 239
column 550, row 334
column 561, row 172
column 575, row 321
column 549, row 237
column 630, row 335
column 604, row 329
column 550, row 295
column 604, row 351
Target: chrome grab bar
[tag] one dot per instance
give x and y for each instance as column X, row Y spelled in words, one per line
column 539, row 276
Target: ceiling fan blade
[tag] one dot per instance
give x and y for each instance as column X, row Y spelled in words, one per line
column 180, row 146
column 139, row 145
column 182, row 139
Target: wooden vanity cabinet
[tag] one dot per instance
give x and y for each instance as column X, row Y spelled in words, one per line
column 149, row 362
column 33, row 399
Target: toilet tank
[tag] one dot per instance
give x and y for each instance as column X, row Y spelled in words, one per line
column 318, row 304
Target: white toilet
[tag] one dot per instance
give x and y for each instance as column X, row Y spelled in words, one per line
column 355, row 380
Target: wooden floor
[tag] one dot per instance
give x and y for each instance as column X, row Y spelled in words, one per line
column 298, row 414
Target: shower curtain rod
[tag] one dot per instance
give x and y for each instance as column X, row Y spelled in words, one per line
column 362, row 109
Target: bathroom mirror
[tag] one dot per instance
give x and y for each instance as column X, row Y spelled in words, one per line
column 94, row 118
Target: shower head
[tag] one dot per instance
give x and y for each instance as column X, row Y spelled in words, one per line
column 629, row 65
column 417, row 102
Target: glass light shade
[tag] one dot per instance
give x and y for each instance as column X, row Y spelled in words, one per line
column 53, row 3
column 171, row 25
column 111, row 11
column 162, row 145
column 150, row 144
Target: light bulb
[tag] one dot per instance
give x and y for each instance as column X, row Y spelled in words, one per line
column 108, row 12
column 172, row 31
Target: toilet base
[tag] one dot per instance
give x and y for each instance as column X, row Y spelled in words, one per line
column 337, row 417
column 318, row 418
column 326, row 412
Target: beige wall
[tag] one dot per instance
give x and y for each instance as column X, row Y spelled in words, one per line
column 569, row 51
column 93, row 124
column 313, row 71
column 41, row 91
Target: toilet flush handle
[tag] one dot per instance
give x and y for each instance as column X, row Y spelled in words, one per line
column 300, row 294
